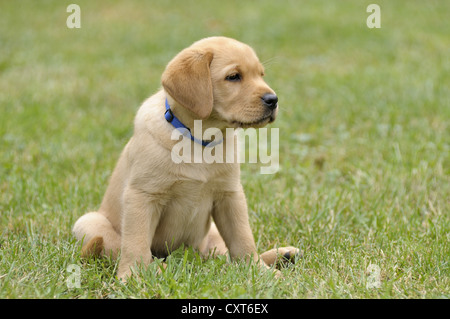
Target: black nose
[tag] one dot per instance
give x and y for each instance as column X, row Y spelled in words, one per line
column 270, row 100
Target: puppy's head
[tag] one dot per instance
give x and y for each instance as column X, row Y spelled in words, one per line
column 222, row 79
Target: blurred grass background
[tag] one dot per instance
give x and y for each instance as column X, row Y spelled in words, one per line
column 364, row 141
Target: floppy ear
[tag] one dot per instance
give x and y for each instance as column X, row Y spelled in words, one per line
column 187, row 79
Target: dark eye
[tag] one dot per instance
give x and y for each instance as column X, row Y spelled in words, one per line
column 233, row 77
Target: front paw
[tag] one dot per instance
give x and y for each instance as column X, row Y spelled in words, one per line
column 124, row 273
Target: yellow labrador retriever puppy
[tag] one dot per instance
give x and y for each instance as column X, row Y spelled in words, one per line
column 154, row 205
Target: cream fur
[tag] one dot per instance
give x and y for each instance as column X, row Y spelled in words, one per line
column 153, row 205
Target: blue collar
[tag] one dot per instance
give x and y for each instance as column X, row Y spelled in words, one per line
column 185, row 131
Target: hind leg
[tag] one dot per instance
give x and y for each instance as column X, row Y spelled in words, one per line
column 213, row 244
column 97, row 234
column 280, row 256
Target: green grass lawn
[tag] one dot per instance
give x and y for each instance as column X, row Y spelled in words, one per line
column 364, row 144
